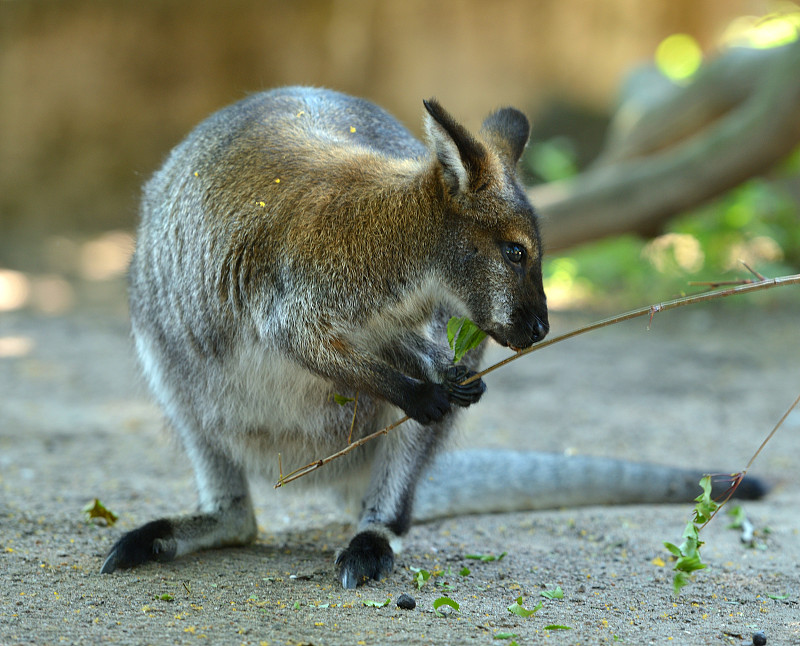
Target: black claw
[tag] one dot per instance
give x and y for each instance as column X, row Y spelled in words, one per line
column 463, row 394
column 154, row 541
column 368, row 556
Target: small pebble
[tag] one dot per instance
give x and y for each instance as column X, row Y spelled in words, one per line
column 759, row 639
column 406, row 602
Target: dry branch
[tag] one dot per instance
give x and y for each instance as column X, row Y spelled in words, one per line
column 753, row 123
column 650, row 311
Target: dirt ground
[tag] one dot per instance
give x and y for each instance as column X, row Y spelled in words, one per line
column 701, row 388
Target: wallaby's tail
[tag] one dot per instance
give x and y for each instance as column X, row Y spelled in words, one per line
column 487, row 480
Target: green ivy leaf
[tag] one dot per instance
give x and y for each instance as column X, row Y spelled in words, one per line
column 444, row 601
column 705, row 506
column 341, row 399
column 738, row 517
column 377, row 604
column 421, row 578
column 557, row 593
column 518, row 609
column 486, row 558
column 463, row 335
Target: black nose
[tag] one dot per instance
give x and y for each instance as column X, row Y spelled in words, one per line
column 540, row 329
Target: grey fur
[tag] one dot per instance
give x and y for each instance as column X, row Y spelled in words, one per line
column 480, row 480
column 300, row 244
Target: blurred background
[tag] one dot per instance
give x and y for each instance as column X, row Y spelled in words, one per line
column 94, row 94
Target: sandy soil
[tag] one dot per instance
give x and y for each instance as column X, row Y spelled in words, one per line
column 701, row 388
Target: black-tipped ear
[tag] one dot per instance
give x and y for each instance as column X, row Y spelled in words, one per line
column 462, row 157
column 507, row 130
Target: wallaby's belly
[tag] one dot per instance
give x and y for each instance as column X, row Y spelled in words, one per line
column 256, row 404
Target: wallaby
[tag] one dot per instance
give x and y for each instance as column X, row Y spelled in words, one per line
column 302, row 244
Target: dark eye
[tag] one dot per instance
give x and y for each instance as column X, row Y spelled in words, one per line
column 514, row 253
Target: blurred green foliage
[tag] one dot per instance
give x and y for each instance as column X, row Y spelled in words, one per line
column 551, row 160
column 757, row 222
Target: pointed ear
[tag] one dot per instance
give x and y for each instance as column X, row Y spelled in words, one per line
column 462, row 157
column 507, row 131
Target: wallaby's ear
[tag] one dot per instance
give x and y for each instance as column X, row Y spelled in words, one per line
column 507, row 130
column 462, row 157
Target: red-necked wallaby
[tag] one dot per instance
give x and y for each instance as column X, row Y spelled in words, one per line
column 301, row 244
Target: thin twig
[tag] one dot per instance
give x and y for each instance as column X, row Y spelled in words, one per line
column 772, row 432
column 738, row 477
column 713, row 284
column 313, row 466
column 753, row 271
column 650, row 310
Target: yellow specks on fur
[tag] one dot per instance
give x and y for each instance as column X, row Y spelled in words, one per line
column 277, row 180
column 352, row 128
column 260, row 203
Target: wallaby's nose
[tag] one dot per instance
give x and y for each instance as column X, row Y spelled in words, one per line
column 540, row 329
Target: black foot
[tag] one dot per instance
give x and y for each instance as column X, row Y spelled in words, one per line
column 369, row 556
column 154, row 541
column 463, row 395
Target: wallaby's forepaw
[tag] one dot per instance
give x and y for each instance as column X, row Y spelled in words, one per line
column 430, row 404
column 466, row 394
column 368, row 556
column 154, row 541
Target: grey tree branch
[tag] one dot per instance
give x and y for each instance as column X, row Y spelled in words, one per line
column 641, row 184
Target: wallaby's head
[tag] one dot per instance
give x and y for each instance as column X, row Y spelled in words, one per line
column 492, row 247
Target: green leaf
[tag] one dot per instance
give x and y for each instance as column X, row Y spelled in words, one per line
column 444, row 601
column 705, row 506
column 377, row 604
column 689, row 564
column 341, row 399
column 778, row 597
column 557, row 627
column 463, row 335
column 421, row 578
column 679, row 581
column 738, row 517
column 505, row 635
column 464, row 571
column 518, row 609
column 453, row 326
column 557, row 593
column 485, row 557
column 96, row 509
column 164, row 597
column 674, row 549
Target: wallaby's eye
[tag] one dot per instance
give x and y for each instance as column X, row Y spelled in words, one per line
column 514, row 253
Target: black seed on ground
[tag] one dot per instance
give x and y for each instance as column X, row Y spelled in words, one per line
column 406, row 602
column 759, row 639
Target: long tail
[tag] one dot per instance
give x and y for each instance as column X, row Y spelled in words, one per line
column 487, row 480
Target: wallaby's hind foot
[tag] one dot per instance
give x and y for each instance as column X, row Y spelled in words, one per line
column 154, row 541
column 368, row 556
column 167, row 538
